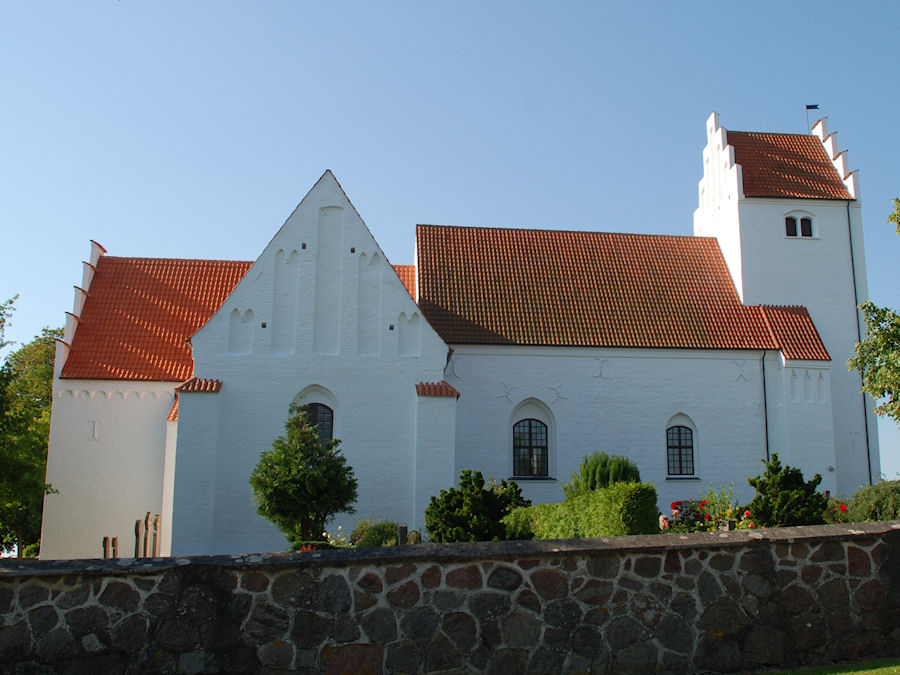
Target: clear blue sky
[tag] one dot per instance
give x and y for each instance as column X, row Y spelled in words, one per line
column 192, row 129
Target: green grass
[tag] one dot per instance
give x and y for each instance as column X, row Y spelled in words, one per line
column 876, row 667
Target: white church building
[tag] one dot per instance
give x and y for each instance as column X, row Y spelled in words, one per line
column 511, row 351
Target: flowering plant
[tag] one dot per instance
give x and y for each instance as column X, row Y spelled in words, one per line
column 337, row 538
column 711, row 512
column 836, row 511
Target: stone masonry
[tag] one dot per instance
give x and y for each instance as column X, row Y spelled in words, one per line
column 719, row 602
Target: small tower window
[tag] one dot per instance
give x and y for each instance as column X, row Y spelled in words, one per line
column 790, row 226
column 806, row 227
column 791, row 230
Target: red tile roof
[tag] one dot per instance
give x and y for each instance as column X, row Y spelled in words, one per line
column 587, row 289
column 407, row 274
column 140, row 312
column 785, row 165
column 196, row 384
column 794, row 332
column 442, row 388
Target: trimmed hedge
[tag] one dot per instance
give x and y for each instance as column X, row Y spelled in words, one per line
column 880, row 501
column 622, row 508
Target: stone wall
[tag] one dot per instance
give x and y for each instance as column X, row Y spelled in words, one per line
column 693, row 603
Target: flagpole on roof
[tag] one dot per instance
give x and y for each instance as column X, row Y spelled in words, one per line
column 808, row 108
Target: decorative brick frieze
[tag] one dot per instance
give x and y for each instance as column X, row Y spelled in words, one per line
column 713, row 602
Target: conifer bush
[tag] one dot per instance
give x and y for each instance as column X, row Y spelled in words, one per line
column 784, row 498
column 301, row 482
column 600, row 470
column 473, row 511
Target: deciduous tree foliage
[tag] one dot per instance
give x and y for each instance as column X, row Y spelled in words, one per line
column 26, row 381
column 895, row 216
column 300, row 483
column 878, row 356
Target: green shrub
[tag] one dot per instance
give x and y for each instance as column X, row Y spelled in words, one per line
column 472, row 512
column 620, row 509
column 784, row 498
column 600, row 470
column 360, row 531
column 880, row 501
column 382, row 533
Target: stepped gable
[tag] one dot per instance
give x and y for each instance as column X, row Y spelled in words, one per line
column 139, row 313
column 591, row 289
column 786, row 165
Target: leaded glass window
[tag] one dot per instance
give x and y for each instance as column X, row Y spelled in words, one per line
column 530, row 448
column 680, row 451
column 321, row 417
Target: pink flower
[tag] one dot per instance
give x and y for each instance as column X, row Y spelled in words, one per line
column 750, row 526
column 747, row 513
column 675, row 513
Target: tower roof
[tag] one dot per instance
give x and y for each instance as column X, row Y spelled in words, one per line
column 786, row 165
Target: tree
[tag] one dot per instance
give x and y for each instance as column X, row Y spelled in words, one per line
column 784, row 498
column 301, row 482
column 26, row 383
column 895, row 216
column 472, row 512
column 878, row 356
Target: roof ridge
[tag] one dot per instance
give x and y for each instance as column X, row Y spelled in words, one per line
column 643, row 235
column 209, row 260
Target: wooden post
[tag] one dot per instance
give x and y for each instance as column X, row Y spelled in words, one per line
column 156, row 536
column 105, row 547
column 115, row 547
column 401, row 534
column 146, row 549
column 137, row 538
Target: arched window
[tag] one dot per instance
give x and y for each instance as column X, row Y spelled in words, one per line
column 321, row 417
column 530, row 457
column 680, row 451
column 790, row 226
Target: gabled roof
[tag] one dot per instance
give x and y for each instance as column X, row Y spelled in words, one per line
column 592, row 289
column 140, row 312
column 786, row 165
